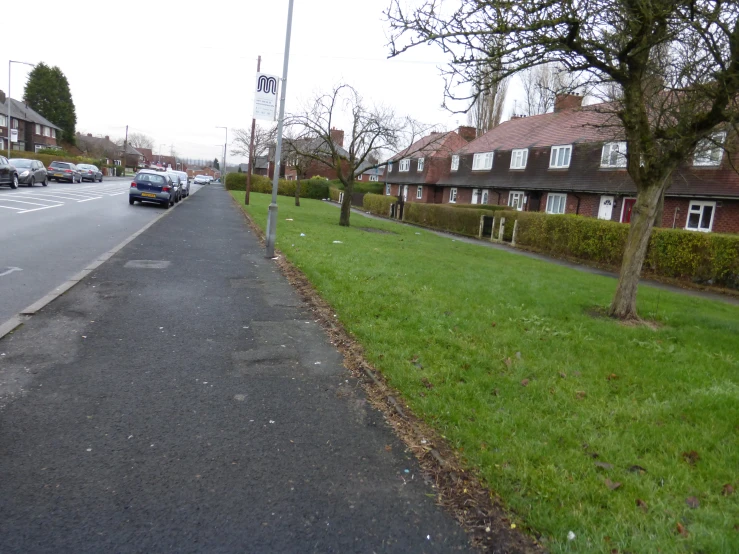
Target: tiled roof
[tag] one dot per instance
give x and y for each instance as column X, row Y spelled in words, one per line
column 433, row 145
column 587, row 124
column 19, row 110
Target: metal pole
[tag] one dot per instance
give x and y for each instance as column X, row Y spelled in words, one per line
column 9, row 102
column 251, row 147
column 272, row 214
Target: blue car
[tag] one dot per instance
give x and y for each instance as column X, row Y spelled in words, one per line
column 152, row 186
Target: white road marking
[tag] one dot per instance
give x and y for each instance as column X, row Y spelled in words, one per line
column 24, row 202
column 12, row 208
column 10, row 270
column 37, row 209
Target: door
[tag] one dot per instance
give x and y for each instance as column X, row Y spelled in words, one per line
column 405, row 193
column 626, row 210
column 535, row 201
column 475, row 196
column 484, row 197
column 605, row 211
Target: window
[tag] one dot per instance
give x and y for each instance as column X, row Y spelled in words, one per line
column 373, row 178
column 53, row 133
column 700, row 216
column 482, row 161
column 420, row 165
column 389, row 166
column 516, row 199
column 3, row 121
column 359, row 177
column 38, row 129
column 560, row 156
column 419, row 192
column 405, row 165
column 387, row 190
column 47, row 131
column 455, row 163
column 14, row 123
column 710, row 151
column 556, row 203
column 613, row 155
column 452, row 195
column 519, row 157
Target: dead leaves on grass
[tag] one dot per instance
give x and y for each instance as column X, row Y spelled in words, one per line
column 727, row 490
column 693, row 502
column 680, row 528
column 691, row 458
column 642, row 505
column 613, row 485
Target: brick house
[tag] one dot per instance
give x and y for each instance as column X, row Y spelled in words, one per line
column 372, row 174
column 35, row 132
column 414, row 173
column 104, row 148
column 566, row 162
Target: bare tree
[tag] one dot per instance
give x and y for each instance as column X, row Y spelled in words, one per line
column 295, row 149
column 487, row 108
column 263, row 139
column 373, row 129
column 674, row 63
column 542, row 84
column 140, row 140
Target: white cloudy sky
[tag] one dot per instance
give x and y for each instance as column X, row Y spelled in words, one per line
column 175, row 70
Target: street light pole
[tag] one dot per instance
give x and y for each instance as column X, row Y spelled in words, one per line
column 10, row 103
column 223, row 169
column 272, row 214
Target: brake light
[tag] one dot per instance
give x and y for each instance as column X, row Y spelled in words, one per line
column 165, row 189
column 50, row 168
column 67, row 171
column 133, row 184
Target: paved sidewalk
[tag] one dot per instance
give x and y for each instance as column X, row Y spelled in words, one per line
column 181, row 399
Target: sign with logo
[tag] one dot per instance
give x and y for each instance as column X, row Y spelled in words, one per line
column 14, row 135
column 265, row 97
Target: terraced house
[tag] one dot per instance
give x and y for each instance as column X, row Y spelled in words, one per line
column 572, row 161
column 35, row 132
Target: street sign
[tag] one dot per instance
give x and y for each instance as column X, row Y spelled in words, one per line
column 14, row 135
column 265, row 97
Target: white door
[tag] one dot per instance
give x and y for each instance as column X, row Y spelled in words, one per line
column 475, row 196
column 484, row 197
column 405, row 193
column 605, row 211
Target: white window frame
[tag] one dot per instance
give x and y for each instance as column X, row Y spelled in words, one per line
column 14, row 123
column 560, row 199
column 359, row 177
column 708, row 149
column 373, row 178
column 701, row 204
column 405, row 165
column 388, row 189
column 3, row 120
column 455, row 162
column 607, row 157
column 419, row 192
column 38, row 129
column 482, row 161
column 519, row 158
column 53, row 133
column 389, row 167
column 453, row 195
column 485, row 196
column 560, row 156
column 420, row 164
column 520, row 199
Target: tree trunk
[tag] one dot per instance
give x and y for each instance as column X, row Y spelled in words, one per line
column 660, row 212
column 297, row 192
column 623, row 305
column 346, row 205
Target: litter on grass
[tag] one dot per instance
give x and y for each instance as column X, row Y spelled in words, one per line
column 302, row 234
column 570, row 536
column 337, row 242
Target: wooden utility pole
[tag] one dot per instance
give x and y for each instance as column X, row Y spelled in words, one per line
column 125, row 151
column 251, row 147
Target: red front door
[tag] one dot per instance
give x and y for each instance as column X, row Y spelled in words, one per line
column 628, row 206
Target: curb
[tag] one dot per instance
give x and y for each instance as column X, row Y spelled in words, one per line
column 25, row 314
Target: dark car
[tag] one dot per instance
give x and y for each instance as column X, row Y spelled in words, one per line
column 30, row 172
column 8, row 173
column 152, row 186
column 64, row 171
column 90, row 173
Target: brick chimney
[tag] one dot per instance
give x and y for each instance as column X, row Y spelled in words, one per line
column 107, row 137
column 337, row 137
column 2, row 97
column 467, row 133
column 89, row 134
column 567, row 102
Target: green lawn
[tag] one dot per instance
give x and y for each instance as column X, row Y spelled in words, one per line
column 535, row 391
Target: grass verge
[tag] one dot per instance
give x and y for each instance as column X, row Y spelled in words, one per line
column 625, row 436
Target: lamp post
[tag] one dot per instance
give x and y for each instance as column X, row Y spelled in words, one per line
column 9, row 100
column 223, row 169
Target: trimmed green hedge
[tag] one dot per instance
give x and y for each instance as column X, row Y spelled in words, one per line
column 309, row 188
column 334, row 193
column 46, row 159
column 444, row 217
column 489, row 207
column 378, row 204
column 706, row 258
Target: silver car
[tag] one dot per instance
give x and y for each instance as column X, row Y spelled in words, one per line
column 177, row 180
column 185, row 178
column 152, row 186
column 90, row 173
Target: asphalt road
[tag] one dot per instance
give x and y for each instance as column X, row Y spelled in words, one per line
column 182, row 398
column 48, row 234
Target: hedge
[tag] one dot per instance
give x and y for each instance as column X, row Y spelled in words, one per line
column 489, row 207
column 378, row 204
column 444, row 217
column 706, row 258
column 46, row 159
column 334, row 193
column 309, row 188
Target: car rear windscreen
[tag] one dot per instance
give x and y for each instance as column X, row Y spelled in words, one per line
column 61, row 165
column 157, row 180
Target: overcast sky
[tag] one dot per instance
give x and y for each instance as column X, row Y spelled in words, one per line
column 175, row 71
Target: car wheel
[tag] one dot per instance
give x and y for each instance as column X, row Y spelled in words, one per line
column 14, row 182
column 45, row 182
column 131, row 201
column 165, row 205
column 33, row 182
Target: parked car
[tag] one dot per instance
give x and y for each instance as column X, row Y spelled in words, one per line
column 64, row 171
column 185, row 183
column 177, row 182
column 30, row 172
column 152, row 186
column 90, row 173
column 8, row 173
column 201, row 179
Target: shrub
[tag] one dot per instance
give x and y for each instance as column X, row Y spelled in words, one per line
column 309, row 188
column 378, row 204
column 444, row 217
column 46, row 159
column 334, row 193
column 490, row 207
